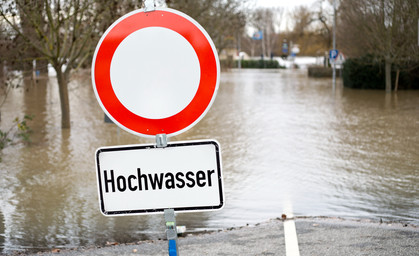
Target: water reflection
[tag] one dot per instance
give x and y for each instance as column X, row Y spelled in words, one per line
column 380, row 137
column 288, row 143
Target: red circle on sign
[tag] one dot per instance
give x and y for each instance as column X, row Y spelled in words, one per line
column 208, row 63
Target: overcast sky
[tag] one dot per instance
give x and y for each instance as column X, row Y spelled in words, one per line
column 288, row 4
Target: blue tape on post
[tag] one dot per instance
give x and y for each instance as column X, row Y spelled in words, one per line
column 172, row 248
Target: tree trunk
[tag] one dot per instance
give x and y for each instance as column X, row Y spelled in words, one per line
column 1, row 70
column 42, row 67
column 62, row 79
column 396, row 83
column 388, row 75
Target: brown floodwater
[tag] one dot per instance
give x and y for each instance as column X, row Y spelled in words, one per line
column 290, row 144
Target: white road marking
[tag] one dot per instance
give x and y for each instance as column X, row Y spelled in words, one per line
column 291, row 241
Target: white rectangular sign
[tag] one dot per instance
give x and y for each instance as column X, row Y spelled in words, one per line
column 144, row 179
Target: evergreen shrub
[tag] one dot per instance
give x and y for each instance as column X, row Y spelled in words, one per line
column 368, row 72
column 271, row 64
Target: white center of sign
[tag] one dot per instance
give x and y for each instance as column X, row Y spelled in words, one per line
column 171, row 82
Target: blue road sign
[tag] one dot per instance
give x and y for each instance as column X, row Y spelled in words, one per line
column 333, row 54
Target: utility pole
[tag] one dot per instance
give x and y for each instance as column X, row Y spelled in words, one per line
column 334, row 43
column 239, row 62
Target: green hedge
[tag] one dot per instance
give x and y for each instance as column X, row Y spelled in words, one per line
column 271, row 64
column 259, row 64
column 369, row 73
column 319, row 71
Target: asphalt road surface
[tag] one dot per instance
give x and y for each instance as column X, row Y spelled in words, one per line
column 311, row 236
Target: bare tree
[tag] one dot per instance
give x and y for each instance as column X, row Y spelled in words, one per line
column 385, row 28
column 267, row 20
column 303, row 18
column 222, row 19
column 62, row 32
column 303, row 32
column 323, row 15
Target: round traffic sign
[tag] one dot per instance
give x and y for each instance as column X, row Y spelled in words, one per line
column 155, row 72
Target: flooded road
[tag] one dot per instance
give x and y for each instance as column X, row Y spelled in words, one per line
column 289, row 144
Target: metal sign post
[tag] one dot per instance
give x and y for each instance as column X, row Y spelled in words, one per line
column 334, row 43
column 171, row 232
column 169, row 214
column 182, row 176
column 156, row 178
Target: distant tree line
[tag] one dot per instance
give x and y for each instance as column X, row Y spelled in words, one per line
column 64, row 33
column 308, row 27
column 385, row 30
